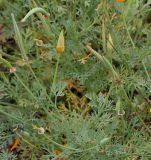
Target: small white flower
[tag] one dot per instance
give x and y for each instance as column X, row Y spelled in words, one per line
column 41, row 130
column 12, row 70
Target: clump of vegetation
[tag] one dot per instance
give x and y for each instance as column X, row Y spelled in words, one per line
column 75, row 80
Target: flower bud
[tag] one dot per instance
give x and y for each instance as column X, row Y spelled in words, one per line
column 60, row 44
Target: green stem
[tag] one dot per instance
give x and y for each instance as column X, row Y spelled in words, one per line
column 90, row 26
column 146, row 71
column 128, row 33
column 33, row 146
column 56, row 70
column 44, row 23
column 23, row 84
column 9, row 115
column 103, row 35
column 59, row 145
column 19, row 39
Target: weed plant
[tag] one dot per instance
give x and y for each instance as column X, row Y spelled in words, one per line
column 89, row 100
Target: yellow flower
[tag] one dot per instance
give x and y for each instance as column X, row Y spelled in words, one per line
column 150, row 110
column 60, row 44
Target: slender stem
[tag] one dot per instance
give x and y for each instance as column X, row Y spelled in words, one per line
column 59, row 145
column 19, row 39
column 28, row 90
column 56, row 101
column 128, row 32
column 105, row 61
column 90, row 26
column 146, row 71
column 56, row 70
column 9, row 115
column 8, row 104
column 44, row 23
column 54, row 78
column 143, row 123
column 26, row 141
column 103, row 34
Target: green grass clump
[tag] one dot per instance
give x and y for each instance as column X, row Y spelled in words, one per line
column 89, row 100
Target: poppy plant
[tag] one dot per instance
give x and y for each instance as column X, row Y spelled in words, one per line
column 120, row 1
column 15, row 144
